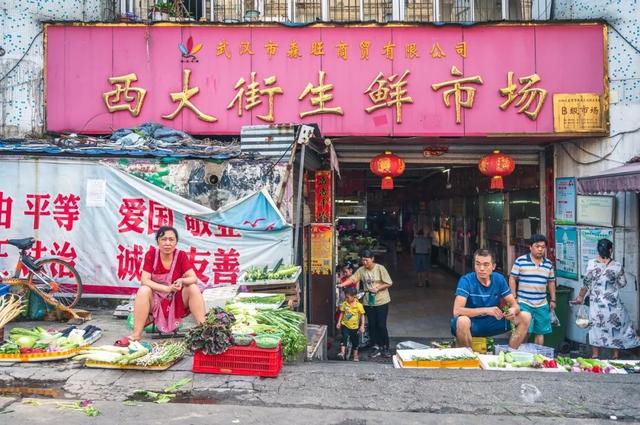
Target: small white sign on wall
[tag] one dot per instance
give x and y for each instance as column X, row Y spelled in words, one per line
column 596, row 210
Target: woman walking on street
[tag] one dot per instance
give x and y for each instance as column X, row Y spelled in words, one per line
column 609, row 323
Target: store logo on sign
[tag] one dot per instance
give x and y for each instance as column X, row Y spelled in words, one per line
column 189, row 51
column 435, row 150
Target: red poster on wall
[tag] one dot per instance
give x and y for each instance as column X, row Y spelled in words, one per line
column 324, row 197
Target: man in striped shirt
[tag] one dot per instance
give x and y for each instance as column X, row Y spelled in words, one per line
column 533, row 275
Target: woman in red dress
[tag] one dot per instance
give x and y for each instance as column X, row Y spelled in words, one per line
column 168, row 290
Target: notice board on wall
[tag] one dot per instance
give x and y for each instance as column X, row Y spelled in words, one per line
column 589, row 238
column 595, row 210
column 567, row 252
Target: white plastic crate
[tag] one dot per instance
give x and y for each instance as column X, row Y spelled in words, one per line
column 528, row 348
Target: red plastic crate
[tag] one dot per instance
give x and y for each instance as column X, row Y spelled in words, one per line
column 237, row 360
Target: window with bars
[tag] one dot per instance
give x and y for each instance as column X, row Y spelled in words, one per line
column 308, row 11
column 487, row 10
column 455, row 10
column 520, row 10
column 337, row 10
column 419, row 11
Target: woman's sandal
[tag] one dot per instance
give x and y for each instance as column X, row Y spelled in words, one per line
column 123, row 342
column 340, row 356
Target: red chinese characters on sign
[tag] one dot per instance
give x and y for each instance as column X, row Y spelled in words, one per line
column 130, row 262
column 63, row 249
column 226, row 266
column 67, row 252
column 197, row 227
column 3, row 242
column 200, row 261
column 66, row 210
column 6, row 204
column 132, row 212
column 323, row 195
column 226, row 232
column 159, row 216
column 37, row 205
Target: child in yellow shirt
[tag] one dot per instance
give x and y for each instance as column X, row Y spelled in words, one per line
column 350, row 320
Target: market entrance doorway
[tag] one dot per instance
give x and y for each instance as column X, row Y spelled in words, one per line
column 385, row 221
column 452, row 204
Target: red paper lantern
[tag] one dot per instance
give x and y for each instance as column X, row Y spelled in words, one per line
column 496, row 165
column 387, row 166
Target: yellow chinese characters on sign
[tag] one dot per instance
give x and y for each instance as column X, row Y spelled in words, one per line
column 388, row 50
column 364, row 50
column 321, row 249
column 133, row 96
column 317, row 48
column 342, row 50
column 252, row 96
column 223, row 49
column 294, row 50
column 461, row 49
column 437, row 52
column 271, row 48
column 411, row 51
column 319, row 96
column 463, row 96
column 388, row 93
column 245, row 48
column 184, row 96
column 578, row 113
column 528, row 94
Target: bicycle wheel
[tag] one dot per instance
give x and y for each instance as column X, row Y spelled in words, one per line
column 58, row 279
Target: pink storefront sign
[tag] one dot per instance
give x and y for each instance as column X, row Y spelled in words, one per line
column 485, row 80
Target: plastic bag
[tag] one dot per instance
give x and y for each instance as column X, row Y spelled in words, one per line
column 582, row 317
column 554, row 318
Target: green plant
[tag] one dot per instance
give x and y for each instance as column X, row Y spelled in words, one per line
column 164, row 7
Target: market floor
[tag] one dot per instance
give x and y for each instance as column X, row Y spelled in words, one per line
column 420, row 312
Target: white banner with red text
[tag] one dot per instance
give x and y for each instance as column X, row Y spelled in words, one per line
column 104, row 221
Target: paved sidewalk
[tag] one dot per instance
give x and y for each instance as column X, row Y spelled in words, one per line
column 374, row 392
column 147, row 413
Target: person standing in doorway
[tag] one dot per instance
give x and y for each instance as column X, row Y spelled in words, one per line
column 375, row 281
column 532, row 274
column 421, row 251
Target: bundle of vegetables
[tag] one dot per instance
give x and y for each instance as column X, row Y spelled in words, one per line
column 279, row 272
column 628, row 367
column 10, row 307
column 591, row 365
column 116, row 355
column 262, row 299
column 38, row 340
column 288, row 322
column 445, row 357
column 214, row 335
column 245, row 316
column 162, row 354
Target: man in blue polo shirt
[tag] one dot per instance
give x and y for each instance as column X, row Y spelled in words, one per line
column 476, row 310
column 533, row 274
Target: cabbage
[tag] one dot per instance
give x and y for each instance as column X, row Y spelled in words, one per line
column 25, row 341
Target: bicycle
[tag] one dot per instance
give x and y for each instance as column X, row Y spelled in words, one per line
column 54, row 279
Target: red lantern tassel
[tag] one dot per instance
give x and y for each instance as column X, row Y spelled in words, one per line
column 387, row 183
column 497, row 183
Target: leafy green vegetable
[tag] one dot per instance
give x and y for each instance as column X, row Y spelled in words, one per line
column 214, row 335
